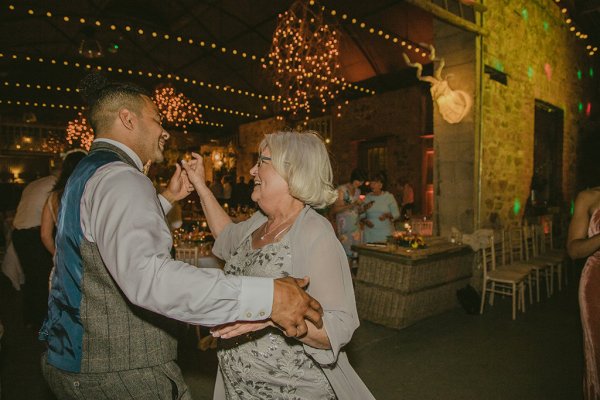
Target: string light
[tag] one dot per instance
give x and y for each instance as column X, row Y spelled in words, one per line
column 419, row 49
column 41, row 104
column 68, row 90
column 185, row 80
column 180, row 40
column 305, row 53
column 79, row 132
column 577, row 32
column 27, row 103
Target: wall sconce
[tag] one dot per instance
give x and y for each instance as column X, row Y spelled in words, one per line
column 16, row 171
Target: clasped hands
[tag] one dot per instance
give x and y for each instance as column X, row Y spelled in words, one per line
column 292, row 309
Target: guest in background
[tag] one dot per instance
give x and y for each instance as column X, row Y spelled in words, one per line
column 227, row 188
column 50, row 211
column 381, row 212
column 408, row 200
column 240, row 193
column 217, row 188
column 34, row 258
column 584, row 241
column 346, row 210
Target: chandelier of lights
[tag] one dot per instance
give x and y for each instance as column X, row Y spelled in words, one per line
column 176, row 109
column 80, row 133
column 304, row 55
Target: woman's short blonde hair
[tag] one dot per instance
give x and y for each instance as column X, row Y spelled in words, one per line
column 301, row 158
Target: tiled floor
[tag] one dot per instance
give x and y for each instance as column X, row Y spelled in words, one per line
column 449, row 356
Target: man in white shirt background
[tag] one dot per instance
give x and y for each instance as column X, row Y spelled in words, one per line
column 115, row 277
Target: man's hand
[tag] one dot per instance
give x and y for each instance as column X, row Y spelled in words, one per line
column 292, row 305
column 234, row 329
column 179, row 186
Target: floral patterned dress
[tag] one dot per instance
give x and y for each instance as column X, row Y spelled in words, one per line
column 266, row 364
column 348, row 228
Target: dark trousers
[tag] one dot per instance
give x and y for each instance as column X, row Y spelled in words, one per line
column 36, row 262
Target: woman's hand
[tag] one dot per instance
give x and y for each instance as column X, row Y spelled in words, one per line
column 195, row 171
column 385, row 216
column 234, row 329
column 179, row 186
column 364, row 207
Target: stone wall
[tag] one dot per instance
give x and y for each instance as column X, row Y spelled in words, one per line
column 530, row 43
column 397, row 118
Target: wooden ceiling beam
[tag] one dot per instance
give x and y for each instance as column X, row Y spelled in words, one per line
column 448, row 17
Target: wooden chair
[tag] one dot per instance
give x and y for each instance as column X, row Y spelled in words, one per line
column 547, row 251
column 187, row 254
column 541, row 267
column 523, row 252
column 505, row 258
column 497, row 281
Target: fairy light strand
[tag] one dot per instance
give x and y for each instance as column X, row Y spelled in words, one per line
column 66, row 89
column 405, row 43
column 163, row 36
column 128, row 71
column 590, row 48
column 43, row 104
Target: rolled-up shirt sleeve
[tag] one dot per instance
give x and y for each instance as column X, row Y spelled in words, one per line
column 122, row 214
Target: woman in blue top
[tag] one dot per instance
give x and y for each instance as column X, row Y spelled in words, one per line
column 379, row 217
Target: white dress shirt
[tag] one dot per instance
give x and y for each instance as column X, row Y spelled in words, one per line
column 29, row 210
column 122, row 214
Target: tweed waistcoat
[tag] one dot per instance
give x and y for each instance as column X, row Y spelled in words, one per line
column 91, row 327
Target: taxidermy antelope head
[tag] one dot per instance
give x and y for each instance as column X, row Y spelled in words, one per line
column 452, row 104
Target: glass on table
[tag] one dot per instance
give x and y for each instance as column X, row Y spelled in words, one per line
column 392, row 244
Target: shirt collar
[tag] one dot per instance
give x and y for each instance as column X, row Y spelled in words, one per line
column 136, row 159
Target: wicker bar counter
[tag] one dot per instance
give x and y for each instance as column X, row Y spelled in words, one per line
column 398, row 288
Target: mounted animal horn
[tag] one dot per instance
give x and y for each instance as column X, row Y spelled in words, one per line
column 453, row 105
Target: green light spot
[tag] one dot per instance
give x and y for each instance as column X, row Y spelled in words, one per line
column 517, row 206
column 499, row 66
column 572, row 210
column 579, row 74
column 530, row 72
column 546, row 26
column 591, row 72
column 580, row 107
column 525, row 14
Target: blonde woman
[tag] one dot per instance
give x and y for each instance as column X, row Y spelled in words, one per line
column 286, row 237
